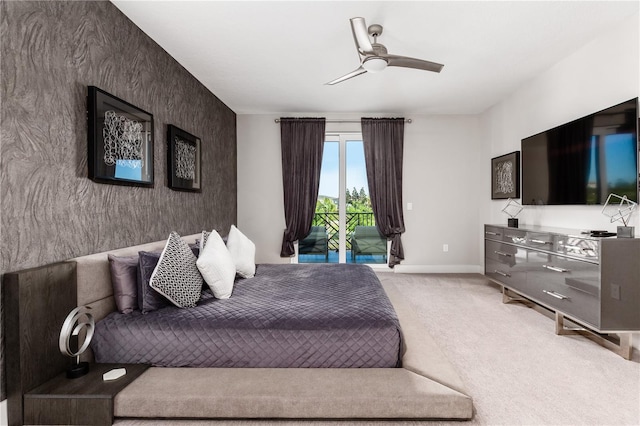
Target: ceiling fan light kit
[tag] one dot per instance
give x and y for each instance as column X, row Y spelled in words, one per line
column 374, row 56
column 374, row 64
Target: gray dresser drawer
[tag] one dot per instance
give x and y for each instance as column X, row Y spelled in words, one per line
column 581, row 248
column 541, row 241
column 566, row 285
column 493, row 232
column 508, row 235
column 505, row 263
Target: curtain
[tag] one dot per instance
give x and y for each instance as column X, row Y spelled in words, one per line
column 383, row 140
column 302, row 144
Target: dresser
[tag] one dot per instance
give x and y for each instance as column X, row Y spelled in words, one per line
column 593, row 282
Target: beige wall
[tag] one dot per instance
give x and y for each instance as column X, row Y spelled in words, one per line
column 440, row 179
column 446, row 169
column 603, row 73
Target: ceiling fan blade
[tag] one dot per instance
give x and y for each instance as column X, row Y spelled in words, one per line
column 361, row 36
column 359, row 71
column 406, row 62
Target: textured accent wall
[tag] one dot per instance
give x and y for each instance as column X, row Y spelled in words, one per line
column 51, row 211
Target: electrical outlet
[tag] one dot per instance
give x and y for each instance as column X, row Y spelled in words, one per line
column 409, row 206
column 445, row 248
column 615, row 291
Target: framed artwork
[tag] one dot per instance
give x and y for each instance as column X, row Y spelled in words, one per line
column 120, row 141
column 505, row 176
column 183, row 160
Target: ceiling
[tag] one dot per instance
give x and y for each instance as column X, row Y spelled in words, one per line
column 275, row 56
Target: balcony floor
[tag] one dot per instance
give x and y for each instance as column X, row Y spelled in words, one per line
column 333, row 258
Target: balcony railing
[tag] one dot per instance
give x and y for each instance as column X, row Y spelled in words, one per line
column 331, row 222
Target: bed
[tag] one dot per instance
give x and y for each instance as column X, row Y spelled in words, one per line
column 287, row 316
column 425, row 386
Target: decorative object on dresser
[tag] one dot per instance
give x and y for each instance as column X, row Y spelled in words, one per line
column 78, row 320
column 513, row 209
column 120, row 141
column 619, row 209
column 591, row 281
column 183, row 160
column 505, row 176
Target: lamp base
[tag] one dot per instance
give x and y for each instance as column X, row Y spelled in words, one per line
column 626, row 231
column 77, row 370
column 512, row 222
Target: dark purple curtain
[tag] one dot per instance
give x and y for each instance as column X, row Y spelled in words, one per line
column 302, row 144
column 383, row 140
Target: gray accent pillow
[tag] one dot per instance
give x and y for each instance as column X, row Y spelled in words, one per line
column 148, row 299
column 203, row 239
column 176, row 276
column 124, row 279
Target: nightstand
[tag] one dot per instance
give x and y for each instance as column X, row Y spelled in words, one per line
column 87, row 400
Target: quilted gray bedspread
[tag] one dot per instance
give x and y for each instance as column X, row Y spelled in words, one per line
column 318, row 316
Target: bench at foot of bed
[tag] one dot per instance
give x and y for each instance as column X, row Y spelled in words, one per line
column 382, row 393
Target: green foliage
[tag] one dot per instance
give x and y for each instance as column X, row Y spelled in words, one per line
column 358, row 209
column 357, row 202
column 326, row 205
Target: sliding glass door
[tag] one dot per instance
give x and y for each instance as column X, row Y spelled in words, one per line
column 343, row 229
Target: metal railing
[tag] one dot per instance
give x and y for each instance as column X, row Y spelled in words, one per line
column 331, row 223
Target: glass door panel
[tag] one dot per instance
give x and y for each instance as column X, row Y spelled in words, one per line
column 364, row 244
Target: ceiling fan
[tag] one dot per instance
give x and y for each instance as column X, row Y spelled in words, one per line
column 374, row 56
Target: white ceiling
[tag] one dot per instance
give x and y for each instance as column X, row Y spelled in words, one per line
column 275, row 56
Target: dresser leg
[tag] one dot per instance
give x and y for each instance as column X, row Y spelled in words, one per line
column 509, row 296
column 624, row 347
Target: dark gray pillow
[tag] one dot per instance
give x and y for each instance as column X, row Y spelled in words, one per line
column 203, row 240
column 124, row 279
column 148, row 299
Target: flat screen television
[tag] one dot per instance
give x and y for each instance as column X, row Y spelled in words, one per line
column 583, row 161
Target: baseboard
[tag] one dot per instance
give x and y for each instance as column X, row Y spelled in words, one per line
column 438, row 269
column 3, row 413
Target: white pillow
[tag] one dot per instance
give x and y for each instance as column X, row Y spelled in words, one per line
column 217, row 267
column 176, row 276
column 243, row 252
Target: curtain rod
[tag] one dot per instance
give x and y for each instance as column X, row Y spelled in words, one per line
column 406, row 120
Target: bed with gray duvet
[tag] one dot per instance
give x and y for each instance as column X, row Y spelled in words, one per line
column 287, row 316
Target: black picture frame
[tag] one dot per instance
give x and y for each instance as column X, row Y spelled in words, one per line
column 183, row 160
column 505, row 176
column 120, row 141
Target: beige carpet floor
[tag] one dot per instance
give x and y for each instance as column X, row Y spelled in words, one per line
column 517, row 370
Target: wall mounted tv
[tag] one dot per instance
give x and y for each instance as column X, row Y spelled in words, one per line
column 583, row 161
